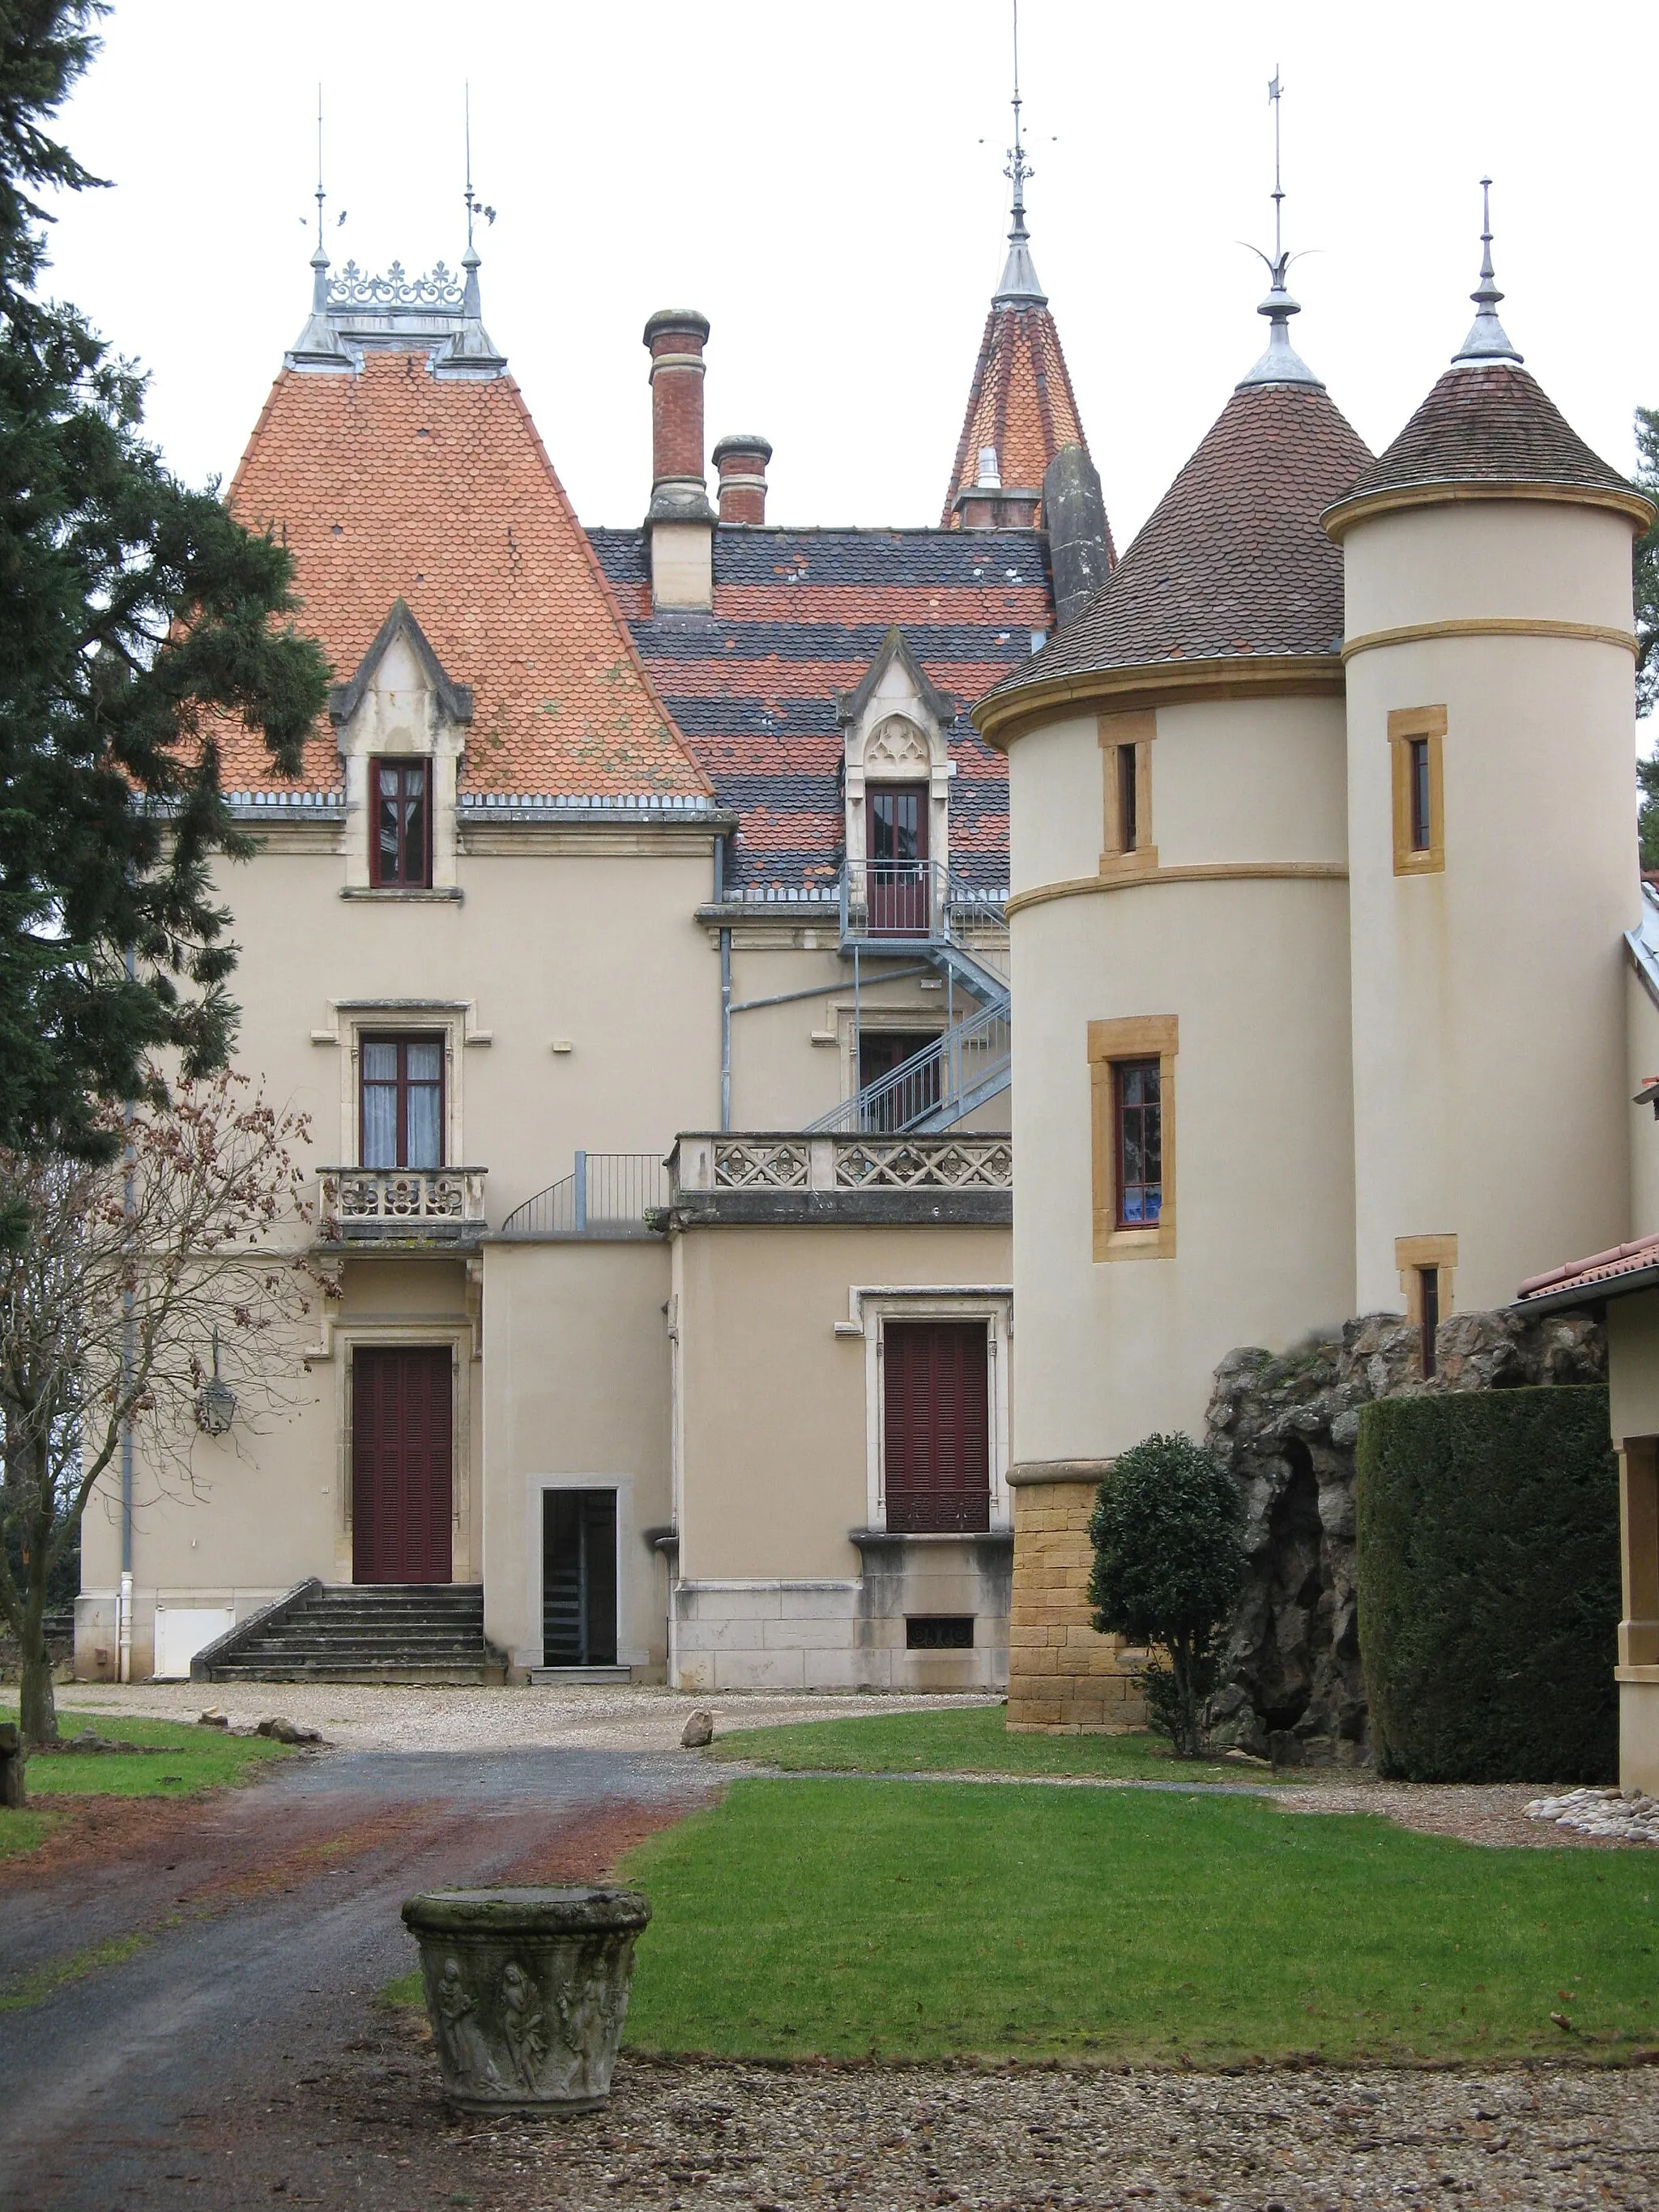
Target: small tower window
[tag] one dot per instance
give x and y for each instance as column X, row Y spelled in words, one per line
column 1139, row 1117
column 1125, row 746
column 400, row 832
column 1428, row 1303
column 1427, row 1268
column 1126, row 796
column 1131, row 1070
column 1420, row 836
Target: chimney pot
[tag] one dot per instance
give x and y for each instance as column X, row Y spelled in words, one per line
column 675, row 337
column 742, row 465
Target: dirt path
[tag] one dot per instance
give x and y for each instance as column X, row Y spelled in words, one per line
column 169, row 2008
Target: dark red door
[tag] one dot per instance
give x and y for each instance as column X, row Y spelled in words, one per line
column 936, row 1417
column 898, row 859
column 402, row 1486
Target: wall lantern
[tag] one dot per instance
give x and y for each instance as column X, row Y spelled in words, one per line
column 216, row 1401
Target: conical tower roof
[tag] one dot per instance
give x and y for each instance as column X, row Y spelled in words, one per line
column 1021, row 408
column 1233, row 565
column 1488, row 426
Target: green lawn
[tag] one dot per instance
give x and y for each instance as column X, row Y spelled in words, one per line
column 840, row 1918
column 971, row 1740
column 196, row 1758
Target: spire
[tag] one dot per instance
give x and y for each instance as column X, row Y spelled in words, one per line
column 318, row 345
column 1020, row 277
column 1487, row 340
column 470, row 351
column 1281, row 363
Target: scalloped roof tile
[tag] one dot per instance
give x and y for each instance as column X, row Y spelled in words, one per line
column 1020, row 401
column 392, row 484
column 1489, row 425
column 1234, row 561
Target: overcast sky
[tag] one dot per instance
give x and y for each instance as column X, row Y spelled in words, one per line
column 823, row 179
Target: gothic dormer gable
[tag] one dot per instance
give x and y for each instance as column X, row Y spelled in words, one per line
column 401, row 707
column 895, row 727
column 894, row 675
column 400, row 669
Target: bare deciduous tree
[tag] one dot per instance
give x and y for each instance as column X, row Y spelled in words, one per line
column 110, row 1313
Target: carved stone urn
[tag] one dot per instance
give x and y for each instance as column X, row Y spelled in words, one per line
column 526, row 1990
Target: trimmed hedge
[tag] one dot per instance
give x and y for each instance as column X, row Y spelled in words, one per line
column 1489, row 1592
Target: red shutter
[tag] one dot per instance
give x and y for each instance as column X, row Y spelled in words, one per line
column 936, row 1417
column 402, row 1478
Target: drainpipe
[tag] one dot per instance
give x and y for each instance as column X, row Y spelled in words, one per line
column 725, row 1028
column 124, row 1609
column 725, row 990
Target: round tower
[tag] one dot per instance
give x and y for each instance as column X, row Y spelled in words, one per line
column 1488, row 644
column 1182, row 1109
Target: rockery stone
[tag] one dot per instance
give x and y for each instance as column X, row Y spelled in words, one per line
column 1292, row 1689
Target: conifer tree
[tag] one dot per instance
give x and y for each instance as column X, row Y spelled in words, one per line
column 136, row 616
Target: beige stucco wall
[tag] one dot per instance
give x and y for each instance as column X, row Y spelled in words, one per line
column 1255, row 969
column 773, row 1406
column 601, row 952
column 1641, row 1066
column 270, row 1505
column 1489, row 1006
column 575, row 1393
column 1632, row 1326
column 1242, row 780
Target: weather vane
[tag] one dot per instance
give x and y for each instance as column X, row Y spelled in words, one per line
column 474, row 205
column 1019, row 167
column 342, row 215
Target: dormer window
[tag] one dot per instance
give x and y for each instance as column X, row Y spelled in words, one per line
column 400, row 834
column 401, row 727
column 898, row 769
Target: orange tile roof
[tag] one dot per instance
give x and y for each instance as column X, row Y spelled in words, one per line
column 393, row 483
column 1021, row 401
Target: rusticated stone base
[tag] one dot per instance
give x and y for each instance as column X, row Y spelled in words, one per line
column 1064, row 1677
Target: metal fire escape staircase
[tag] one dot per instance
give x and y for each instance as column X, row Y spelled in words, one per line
column 918, row 910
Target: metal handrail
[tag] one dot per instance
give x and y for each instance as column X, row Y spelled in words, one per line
column 927, row 1085
column 908, row 901
column 605, row 1195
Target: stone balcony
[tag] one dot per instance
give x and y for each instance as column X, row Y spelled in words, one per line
column 401, row 1206
column 761, row 1176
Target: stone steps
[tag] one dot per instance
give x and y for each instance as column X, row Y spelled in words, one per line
column 390, row 1632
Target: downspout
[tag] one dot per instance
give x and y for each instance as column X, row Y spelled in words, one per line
column 725, row 990
column 123, row 1604
column 725, row 1030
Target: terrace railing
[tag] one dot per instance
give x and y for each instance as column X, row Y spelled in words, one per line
column 954, row 1073
column 605, row 1195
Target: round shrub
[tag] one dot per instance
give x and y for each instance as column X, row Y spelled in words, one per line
column 1169, row 1560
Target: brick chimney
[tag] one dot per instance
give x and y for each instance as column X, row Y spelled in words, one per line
column 680, row 523
column 742, row 464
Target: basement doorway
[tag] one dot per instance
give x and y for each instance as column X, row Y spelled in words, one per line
column 579, row 1578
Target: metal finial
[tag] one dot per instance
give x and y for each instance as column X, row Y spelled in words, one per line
column 1020, row 277
column 1488, row 340
column 319, row 168
column 466, row 128
column 1281, row 363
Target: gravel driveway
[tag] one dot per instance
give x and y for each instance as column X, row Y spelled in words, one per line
column 374, row 1716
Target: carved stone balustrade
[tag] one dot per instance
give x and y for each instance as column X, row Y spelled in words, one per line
column 419, row 1206
column 839, row 1175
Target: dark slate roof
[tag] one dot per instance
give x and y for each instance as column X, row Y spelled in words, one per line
column 1234, row 561
column 1488, row 425
column 799, row 615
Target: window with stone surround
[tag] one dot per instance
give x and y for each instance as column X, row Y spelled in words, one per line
column 1132, row 1136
